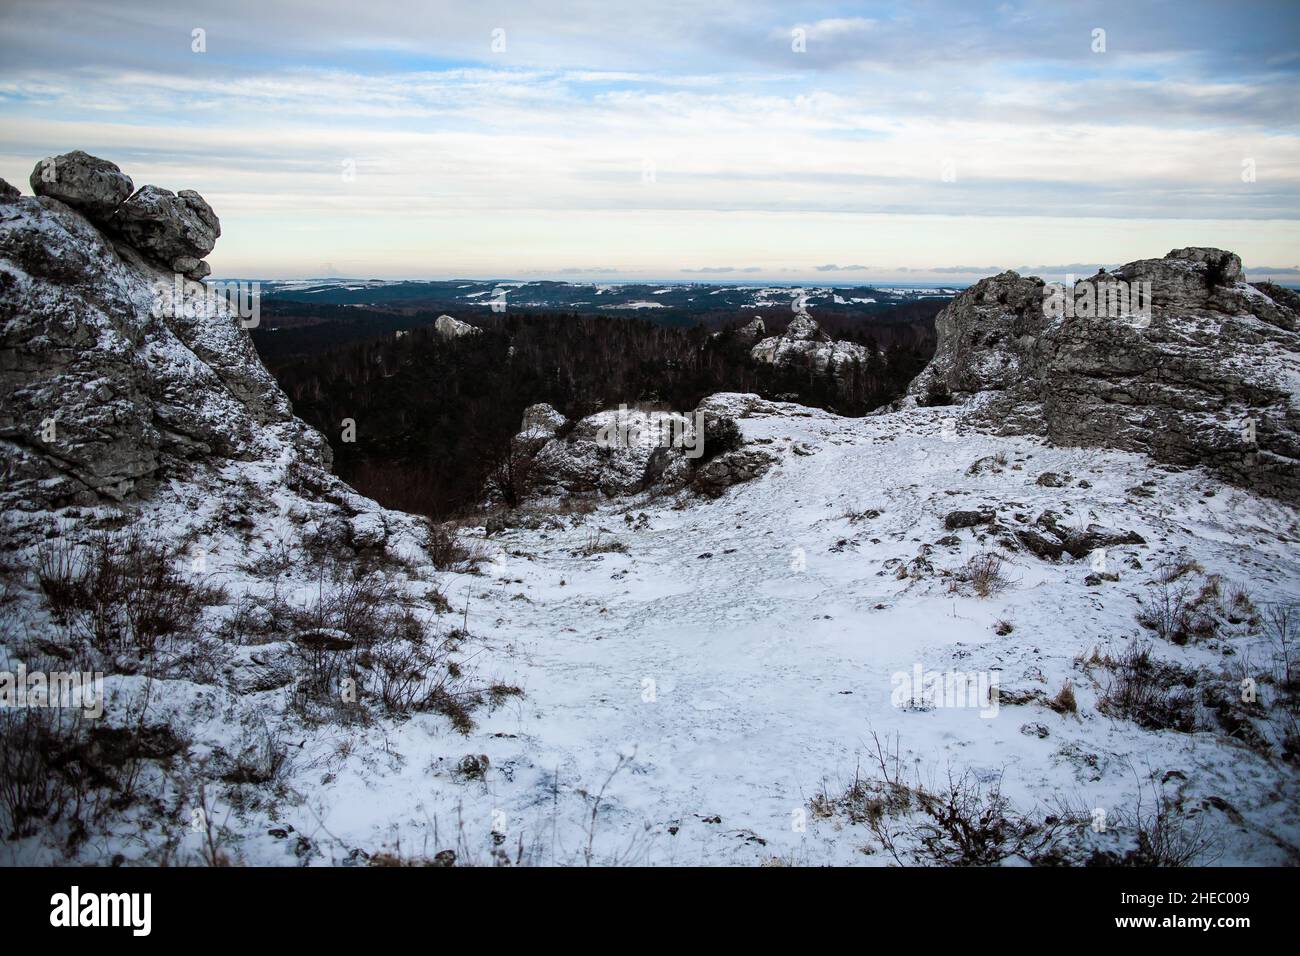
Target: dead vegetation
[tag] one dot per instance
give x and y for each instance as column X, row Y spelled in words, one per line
column 964, row 819
column 122, row 593
column 449, row 552
column 983, row 573
column 597, row 543
column 960, row 820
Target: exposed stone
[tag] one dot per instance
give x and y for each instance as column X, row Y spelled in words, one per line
column 367, row 530
column 167, row 225
column 452, row 328
column 106, row 387
column 804, row 343
column 718, row 474
column 1205, row 377
column 539, row 425
column 967, row 519
column 92, row 186
column 614, row 452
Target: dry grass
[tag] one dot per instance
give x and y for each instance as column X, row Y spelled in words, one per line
column 122, row 593
column 984, row 573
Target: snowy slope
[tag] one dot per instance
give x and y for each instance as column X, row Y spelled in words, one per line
column 770, row 623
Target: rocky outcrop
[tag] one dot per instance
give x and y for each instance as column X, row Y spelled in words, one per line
column 452, row 328
column 176, row 230
column 540, row 424
column 1176, row 357
column 616, row 452
column 625, row 451
column 805, row 344
column 731, row 468
column 115, row 373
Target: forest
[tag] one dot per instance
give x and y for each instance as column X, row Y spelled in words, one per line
column 434, row 416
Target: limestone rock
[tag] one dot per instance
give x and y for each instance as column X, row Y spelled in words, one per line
column 1205, row 374
column 804, row 343
column 114, row 377
column 718, row 474
column 167, row 225
column 92, row 186
column 452, row 328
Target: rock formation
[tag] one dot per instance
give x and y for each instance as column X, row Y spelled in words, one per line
column 176, row 230
column 626, row 451
column 1177, row 357
column 452, row 328
column 110, row 381
column 804, row 342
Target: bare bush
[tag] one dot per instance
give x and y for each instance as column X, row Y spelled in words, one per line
column 1166, row 837
column 31, row 792
column 122, row 593
column 963, row 821
column 984, row 573
column 596, row 543
column 1282, row 629
column 1154, row 695
column 449, row 553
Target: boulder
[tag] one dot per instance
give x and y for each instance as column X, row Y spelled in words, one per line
column 167, row 226
column 92, row 186
column 718, row 474
column 614, row 452
column 107, row 388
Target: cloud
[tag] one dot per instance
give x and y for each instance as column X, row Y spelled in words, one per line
column 560, row 127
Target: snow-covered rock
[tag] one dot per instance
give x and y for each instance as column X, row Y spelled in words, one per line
column 452, row 328
column 118, row 374
column 805, row 343
column 175, row 228
column 616, row 452
column 1206, row 371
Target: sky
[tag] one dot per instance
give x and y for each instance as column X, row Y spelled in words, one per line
column 710, row 141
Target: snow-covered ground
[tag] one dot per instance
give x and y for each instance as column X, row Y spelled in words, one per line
column 686, row 699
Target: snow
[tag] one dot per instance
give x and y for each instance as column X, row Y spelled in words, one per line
column 740, row 655
column 639, row 304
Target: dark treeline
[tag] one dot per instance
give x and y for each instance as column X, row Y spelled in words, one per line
column 435, row 416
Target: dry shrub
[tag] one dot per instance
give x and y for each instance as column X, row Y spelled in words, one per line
column 597, row 543
column 964, row 821
column 1064, row 702
column 1152, row 694
column 449, row 553
column 984, row 573
column 122, row 593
